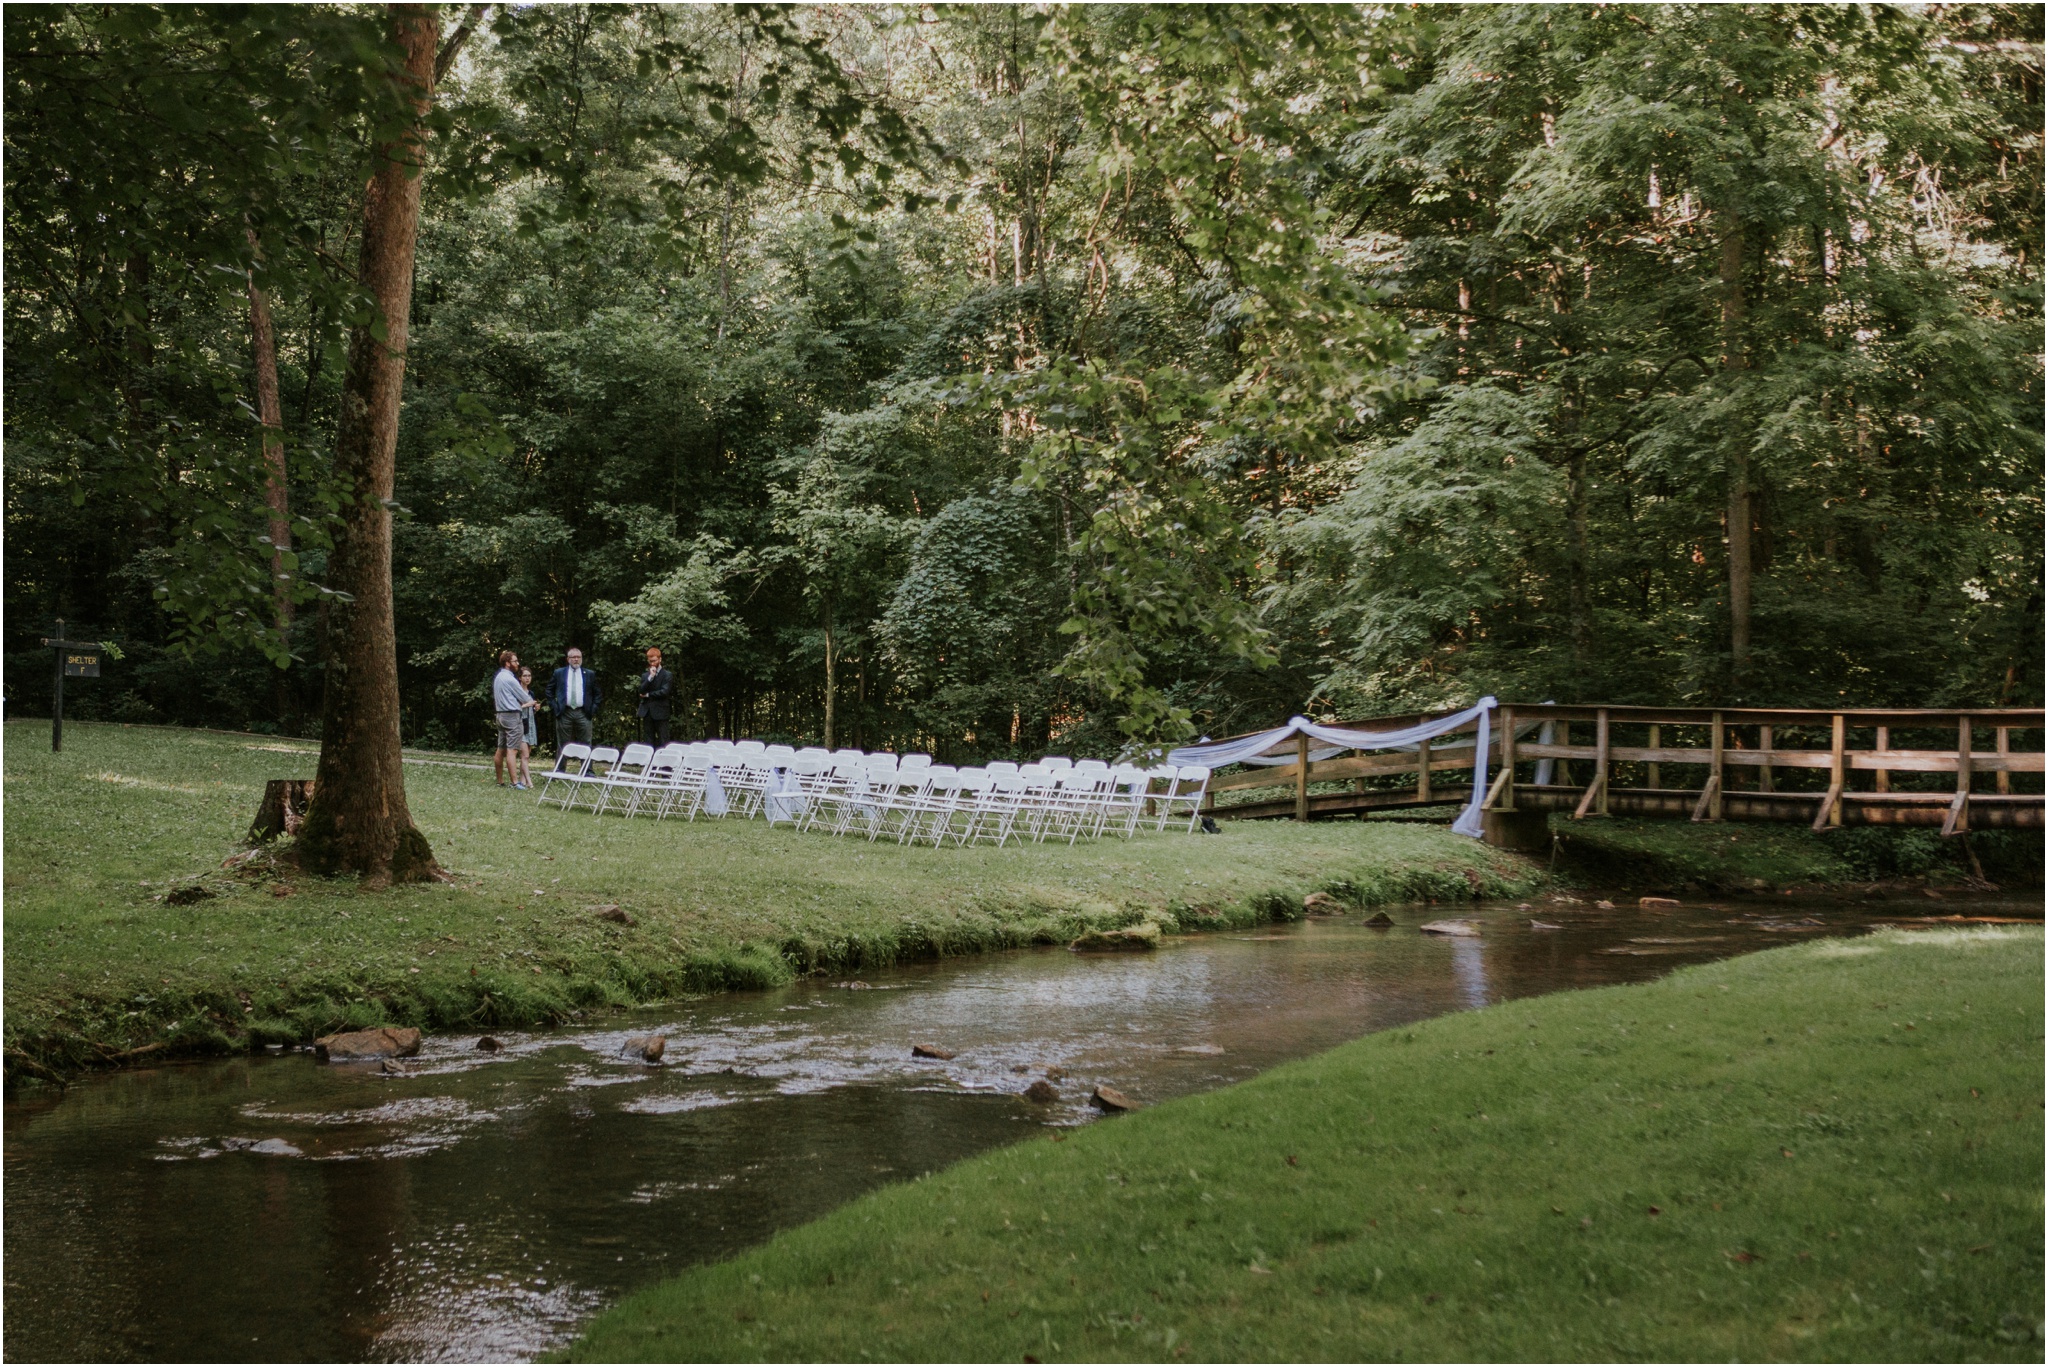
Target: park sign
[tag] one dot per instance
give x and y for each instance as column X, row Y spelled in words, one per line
column 75, row 660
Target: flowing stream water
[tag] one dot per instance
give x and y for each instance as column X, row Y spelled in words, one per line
column 482, row 1206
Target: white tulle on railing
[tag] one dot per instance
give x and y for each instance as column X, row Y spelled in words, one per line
column 1336, row 740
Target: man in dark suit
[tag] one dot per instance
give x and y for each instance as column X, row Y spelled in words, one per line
column 575, row 697
column 656, row 685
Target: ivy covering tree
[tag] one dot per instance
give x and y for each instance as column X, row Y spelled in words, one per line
column 981, row 379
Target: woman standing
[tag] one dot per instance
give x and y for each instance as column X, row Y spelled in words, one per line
column 532, row 728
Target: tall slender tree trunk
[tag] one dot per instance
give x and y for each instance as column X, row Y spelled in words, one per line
column 831, row 669
column 359, row 822
column 1734, row 359
column 1579, row 562
column 270, row 411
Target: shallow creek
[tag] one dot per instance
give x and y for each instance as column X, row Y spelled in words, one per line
column 482, row 1206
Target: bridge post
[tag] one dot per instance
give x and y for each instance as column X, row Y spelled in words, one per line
column 1839, row 778
column 1884, row 742
column 2004, row 749
column 1959, row 812
column 1507, row 760
column 1301, row 779
column 1764, row 741
column 1603, row 763
column 1656, row 769
column 1718, row 778
column 1422, row 771
column 1522, row 832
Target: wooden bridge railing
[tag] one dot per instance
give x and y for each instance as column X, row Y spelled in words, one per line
column 1826, row 768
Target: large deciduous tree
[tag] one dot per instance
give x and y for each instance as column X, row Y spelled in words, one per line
column 359, row 822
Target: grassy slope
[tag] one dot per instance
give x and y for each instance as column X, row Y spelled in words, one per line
column 98, row 965
column 1842, row 1143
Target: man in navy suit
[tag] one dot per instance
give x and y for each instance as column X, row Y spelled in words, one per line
column 575, row 698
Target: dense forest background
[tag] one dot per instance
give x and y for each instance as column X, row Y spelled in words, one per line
column 1174, row 370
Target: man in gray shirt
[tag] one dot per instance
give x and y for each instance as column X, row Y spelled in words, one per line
column 510, row 701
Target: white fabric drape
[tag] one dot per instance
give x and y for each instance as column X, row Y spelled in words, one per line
column 1336, row 739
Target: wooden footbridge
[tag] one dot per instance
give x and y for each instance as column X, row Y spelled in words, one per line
column 1856, row 767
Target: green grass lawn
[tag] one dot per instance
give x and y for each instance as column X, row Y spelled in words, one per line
column 1827, row 1152
column 98, row 965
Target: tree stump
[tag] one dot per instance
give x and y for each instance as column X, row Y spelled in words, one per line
column 284, row 806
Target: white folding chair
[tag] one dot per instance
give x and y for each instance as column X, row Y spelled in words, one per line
column 1035, row 803
column 1057, row 762
column 857, row 802
column 570, row 766
column 1125, row 802
column 896, row 800
column 1189, row 786
column 832, row 790
column 931, row 814
column 994, row 811
column 629, row 773
column 1076, row 801
column 589, row 781
column 655, row 779
column 798, row 789
column 685, row 790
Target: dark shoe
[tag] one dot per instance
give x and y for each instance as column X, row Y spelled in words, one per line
column 1209, row 826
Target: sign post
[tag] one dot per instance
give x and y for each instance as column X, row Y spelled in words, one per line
column 77, row 660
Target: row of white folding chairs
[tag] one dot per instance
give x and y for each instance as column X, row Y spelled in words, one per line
column 677, row 777
column 909, row 798
column 939, row 803
column 598, row 773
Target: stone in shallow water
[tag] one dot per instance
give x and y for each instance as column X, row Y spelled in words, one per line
column 1380, row 919
column 930, row 1051
column 488, row 1045
column 1042, row 1092
column 1111, row 1100
column 646, row 1047
column 1321, row 904
column 1461, row 928
column 385, row 1042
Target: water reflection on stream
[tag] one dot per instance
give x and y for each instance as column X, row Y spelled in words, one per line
column 482, row 1206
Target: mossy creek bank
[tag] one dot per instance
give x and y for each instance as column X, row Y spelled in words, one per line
column 127, row 940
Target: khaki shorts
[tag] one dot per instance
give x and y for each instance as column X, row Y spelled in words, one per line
column 511, row 730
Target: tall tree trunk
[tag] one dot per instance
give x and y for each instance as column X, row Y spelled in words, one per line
column 1578, row 556
column 831, row 667
column 1735, row 359
column 359, row 822
column 276, row 492
column 1578, row 563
